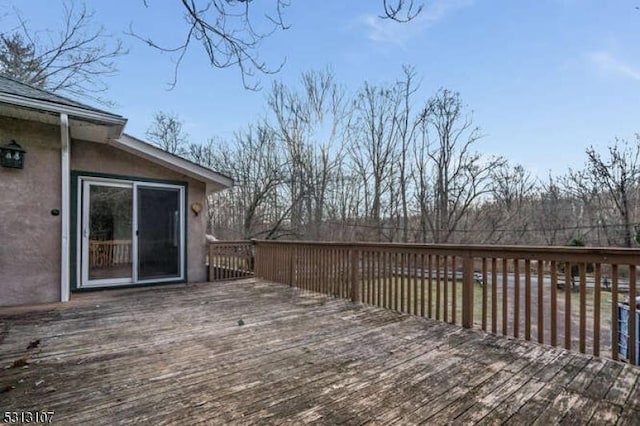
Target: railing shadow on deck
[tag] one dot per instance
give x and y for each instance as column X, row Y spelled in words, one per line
column 573, row 297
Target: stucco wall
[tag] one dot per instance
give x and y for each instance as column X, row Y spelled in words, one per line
column 101, row 158
column 29, row 234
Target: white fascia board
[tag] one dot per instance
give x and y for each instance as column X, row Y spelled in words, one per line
column 64, row 109
column 214, row 181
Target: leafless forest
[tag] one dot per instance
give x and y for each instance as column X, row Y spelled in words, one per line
column 380, row 164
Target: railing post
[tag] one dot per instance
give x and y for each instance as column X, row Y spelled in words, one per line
column 355, row 288
column 467, row 291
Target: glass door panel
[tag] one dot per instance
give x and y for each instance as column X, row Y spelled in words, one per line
column 159, row 232
column 108, row 232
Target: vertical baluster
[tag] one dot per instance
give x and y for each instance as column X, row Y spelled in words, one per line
column 554, row 303
column 379, row 286
column 377, row 277
column 567, row 305
column 494, row 295
column 583, row 307
column 540, row 310
column 596, row 309
column 527, row 299
column 406, row 269
column 414, row 275
column 430, row 287
column 403, row 282
column 445, row 290
column 484, row 293
column 516, row 297
column 311, row 267
column 505, row 290
column 385, row 279
column 341, row 272
column 371, row 289
column 234, row 262
column 391, row 279
column 614, row 312
column 632, row 316
column 398, row 281
column 404, row 294
column 438, row 267
column 422, row 285
column 454, row 286
column 333, row 268
column 326, row 270
column 302, row 276
column 321, row 269
column 370, row 277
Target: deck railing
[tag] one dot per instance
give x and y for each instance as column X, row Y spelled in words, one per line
column 230, row 259
column 562, row 296
column 109, row 253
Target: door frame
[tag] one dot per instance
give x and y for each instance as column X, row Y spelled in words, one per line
column 78, row 281
column 83, row 231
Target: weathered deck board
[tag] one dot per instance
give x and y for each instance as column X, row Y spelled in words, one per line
column 176, row 355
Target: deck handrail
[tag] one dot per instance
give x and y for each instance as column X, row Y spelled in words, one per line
column 525, row 291
column 230, row 259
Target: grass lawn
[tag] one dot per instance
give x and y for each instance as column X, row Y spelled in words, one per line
column 406, row 294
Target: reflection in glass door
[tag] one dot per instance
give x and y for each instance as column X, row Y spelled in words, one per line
column 107, row 232
column 159, row 236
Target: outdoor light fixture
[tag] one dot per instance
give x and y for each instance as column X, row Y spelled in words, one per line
column 12, row 155
column 196, row 207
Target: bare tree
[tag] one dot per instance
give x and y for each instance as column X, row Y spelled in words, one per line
column 205, row 154
column 373, row 151
column 401, row 10
column 166, row 132
column 554, row 213
column 255, row 207
column 613, row 182
column 309, row 123
column 511, row 190
column 75, row 60
column 231, row 31
column 456, row 176
column 407, row 127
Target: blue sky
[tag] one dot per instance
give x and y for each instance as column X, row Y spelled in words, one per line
column 544, row 78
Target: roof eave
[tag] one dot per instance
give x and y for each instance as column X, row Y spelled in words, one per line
column 109, row 119
column 214, row 181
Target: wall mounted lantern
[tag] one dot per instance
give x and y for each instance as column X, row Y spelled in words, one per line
column 12, row 155
column 196, row 207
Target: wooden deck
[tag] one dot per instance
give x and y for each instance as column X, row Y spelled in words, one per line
column 177, row 355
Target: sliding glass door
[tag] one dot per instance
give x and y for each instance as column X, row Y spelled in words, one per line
column 108, row 233
column 130, row 232
column 158, row 232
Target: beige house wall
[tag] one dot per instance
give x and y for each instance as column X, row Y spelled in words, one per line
column 102, row 158
column 29, row 233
